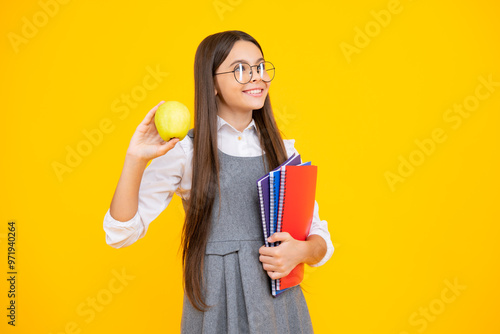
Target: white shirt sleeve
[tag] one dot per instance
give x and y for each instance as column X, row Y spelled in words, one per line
column 160, row 180
column 318, row 226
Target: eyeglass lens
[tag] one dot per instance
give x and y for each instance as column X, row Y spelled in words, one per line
column 243, row 72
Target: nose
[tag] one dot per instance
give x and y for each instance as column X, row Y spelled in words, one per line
column 255, row 73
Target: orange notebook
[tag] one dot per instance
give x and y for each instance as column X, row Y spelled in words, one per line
column 295, row 212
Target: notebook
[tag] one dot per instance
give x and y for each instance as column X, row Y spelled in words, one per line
column 269, row 212
column 295, row 211
column 272, row 194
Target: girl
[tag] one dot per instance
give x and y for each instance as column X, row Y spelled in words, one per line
column 214, row 170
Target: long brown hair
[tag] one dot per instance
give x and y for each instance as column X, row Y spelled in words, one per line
column 211, row 52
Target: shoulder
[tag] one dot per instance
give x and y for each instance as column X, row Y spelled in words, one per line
column 186, row 144
column 289, row 147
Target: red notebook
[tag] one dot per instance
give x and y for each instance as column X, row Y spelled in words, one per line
column 295, row 213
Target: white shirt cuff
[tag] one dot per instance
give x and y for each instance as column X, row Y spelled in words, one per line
column 121, row 234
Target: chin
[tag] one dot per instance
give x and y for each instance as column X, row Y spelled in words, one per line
column 257, row 104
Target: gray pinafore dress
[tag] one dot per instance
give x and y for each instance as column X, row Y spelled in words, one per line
column 237, row 285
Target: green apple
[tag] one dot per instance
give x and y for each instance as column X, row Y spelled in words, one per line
column 172, row 119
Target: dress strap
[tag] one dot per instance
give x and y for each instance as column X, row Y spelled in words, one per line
column 191, row 133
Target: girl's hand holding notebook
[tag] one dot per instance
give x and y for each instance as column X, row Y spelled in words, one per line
column 279, row 261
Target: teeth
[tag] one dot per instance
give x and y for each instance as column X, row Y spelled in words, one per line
column 254, row 91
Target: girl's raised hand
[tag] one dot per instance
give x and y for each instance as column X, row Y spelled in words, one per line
column 146, row 143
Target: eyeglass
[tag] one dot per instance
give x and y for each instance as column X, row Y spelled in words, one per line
column 243, row 72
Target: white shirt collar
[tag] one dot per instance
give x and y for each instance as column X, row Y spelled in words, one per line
column 221, row 122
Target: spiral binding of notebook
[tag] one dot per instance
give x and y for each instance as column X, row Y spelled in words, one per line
column 281, row 199
column 272, row 206
column 272, row 214
column 274, row 194
column 262, row 213
column 281, row 208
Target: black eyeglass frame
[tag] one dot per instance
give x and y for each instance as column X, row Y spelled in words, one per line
column 251, row 72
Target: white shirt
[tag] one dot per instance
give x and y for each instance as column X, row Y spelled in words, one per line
column 172, row 173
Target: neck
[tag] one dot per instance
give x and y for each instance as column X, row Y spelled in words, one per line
column 238, row 120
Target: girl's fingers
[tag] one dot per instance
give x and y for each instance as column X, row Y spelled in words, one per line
column 151, row 113
column 267, row 251
column 266, row 259
column 269, row 267
column 275, row 274
column 167, row 146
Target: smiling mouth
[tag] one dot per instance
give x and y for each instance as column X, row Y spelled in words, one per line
column 254, row 92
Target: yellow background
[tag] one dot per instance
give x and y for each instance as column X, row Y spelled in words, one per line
column 397, row 248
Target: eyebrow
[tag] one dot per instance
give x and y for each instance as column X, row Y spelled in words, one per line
column 243, row 60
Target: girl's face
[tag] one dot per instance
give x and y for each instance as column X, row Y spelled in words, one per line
column 233, row 96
